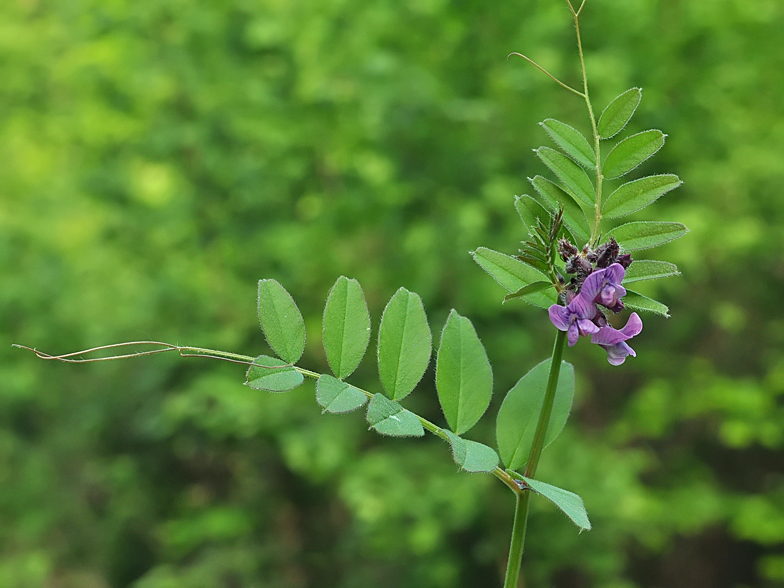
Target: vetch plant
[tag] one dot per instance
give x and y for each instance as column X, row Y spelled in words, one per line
column 572, row 265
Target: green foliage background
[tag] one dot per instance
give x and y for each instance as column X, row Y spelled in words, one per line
column 158, row 158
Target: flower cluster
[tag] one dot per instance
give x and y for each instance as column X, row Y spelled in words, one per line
column 598, row 286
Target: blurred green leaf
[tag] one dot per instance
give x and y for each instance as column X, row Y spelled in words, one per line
column 640, row 235
column 281, row 321
column 346, row 327
column 573, row 215
column 464, row 378
column 512, row 274
column 336, row 396
column 389, row 418
column 404, row 344
column 636, row 195
column 569, row 502
column 577, row 182
column 571, row 141
column 273, row 375
column 618, row 113
column 472, row 456
column 647, row 269
column 631, row 152
column 519, row 412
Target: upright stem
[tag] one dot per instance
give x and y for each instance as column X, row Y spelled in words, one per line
column 522, row 495
column 518, row 539
column 597, row 214
column 547, row 406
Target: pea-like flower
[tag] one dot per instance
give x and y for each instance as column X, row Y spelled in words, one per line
column 604, row 287
column 581, row 316
column 576, row 318
column 614, row 340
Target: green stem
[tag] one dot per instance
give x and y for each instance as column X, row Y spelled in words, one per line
column 518, row 539
column 597, row 209
column 522, row 496
column 433, row 428
column 547, row 406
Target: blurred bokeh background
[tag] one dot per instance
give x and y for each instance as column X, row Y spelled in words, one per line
column 158, row 158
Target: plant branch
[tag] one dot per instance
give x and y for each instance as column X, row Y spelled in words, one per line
column 75, row 357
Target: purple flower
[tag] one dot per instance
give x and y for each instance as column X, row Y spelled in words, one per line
column 604, row 287
column 576, row 318
column 614, row 340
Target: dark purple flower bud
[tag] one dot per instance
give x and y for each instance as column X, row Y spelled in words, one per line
column 575, row 318
column 614, row 340
column 566, row 249
column 604, row 287
column 607, row 253
column 625, row 260
column 579, row 266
